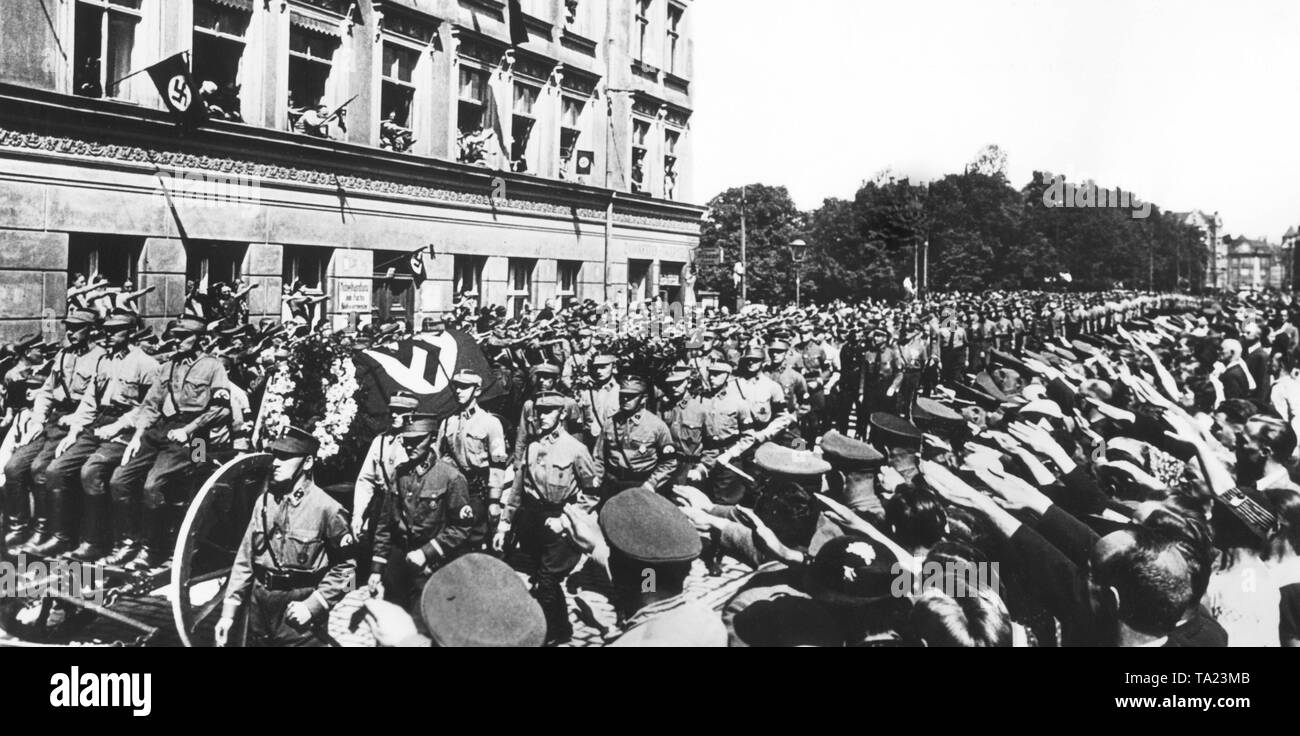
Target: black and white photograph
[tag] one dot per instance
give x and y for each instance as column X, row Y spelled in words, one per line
column 650, row 323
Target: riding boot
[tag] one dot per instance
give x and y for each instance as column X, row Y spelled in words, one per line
column 19, row 515
column 154, row 549
column 95, row 534
column 125, row 548
column 62, row 527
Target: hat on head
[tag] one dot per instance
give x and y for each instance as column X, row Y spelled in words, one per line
column 889, row 431
column 479, row 601
column 785, row 461
column 467, row 378
column 403, row 401
column 720, row 366
column 935, row 418
column 188, row 326
column 632, row 385
column 80, row 318
column 647, row 527
column 694, row 345
column 295, row 442
column 787, row 621
column 604, row 360
column 1041, row 407
column 550, row 400
column 851, row 570
column 418, row 425
column 119, row 321
column 754, row 353
column 847, row 453
column 545, row 369
column 779, row 345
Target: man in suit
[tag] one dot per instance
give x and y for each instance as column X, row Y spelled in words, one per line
column 1257, row 361
column 1234, row 376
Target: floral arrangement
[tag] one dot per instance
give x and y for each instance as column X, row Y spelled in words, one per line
column 316, row 389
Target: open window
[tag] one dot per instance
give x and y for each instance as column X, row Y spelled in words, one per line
column 672, row 139
column 312, row 52
column 575, row 159
column 104, row 46
column 306, row 265
column 523, row 121
column 398, row 96
column 208, row 263
column 566, row 282
column 467, row 275
column 220, row 31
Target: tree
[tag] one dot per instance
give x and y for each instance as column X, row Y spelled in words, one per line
column 772, row 222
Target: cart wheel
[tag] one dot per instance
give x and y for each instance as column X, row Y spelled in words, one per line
column 209, row 538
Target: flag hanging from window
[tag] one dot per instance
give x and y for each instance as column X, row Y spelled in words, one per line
column 172, row 78
column 417, row 267
column 518, row 32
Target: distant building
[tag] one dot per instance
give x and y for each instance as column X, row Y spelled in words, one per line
column 1216, row 249
column 1258, row 264
column 1289, row 243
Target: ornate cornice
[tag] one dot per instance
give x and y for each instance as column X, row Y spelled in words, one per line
column 273, row 172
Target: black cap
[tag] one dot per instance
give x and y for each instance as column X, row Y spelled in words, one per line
column 295, row 442
column 889, row 431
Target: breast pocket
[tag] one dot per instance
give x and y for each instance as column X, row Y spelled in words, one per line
column 476, row 442
column 302, row 548
column 81, row 380
column 194, row 393
column 559, row 478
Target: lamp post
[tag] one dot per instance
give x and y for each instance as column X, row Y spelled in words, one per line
column 798, row 249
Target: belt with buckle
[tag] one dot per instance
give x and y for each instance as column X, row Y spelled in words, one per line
column 282, row 580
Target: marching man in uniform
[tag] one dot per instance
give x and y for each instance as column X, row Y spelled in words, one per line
column 476, row 442
column 636, row 448
column 296, row 559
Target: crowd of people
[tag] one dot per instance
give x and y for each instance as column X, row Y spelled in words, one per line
column 994, row 469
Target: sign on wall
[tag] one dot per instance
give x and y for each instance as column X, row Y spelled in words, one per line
column 354, row 295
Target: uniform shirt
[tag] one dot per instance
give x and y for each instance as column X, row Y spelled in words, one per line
column 185, row 385
column 429, row 509
column 577, row 365
column 474, row 439
column 726, row 415
column 597, row 406
column 121, row 383
column 764, row 395
column 378, row 473
column 73, row 372
column 635, row 444
column 793, row 386
column 556, row 466
column 305, row 531
column 570, row 419
column 685, row 422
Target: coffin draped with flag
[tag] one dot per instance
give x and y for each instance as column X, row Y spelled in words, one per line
column 422, row 366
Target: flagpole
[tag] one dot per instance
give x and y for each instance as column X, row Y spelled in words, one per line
column 744, row 263
column 391, row 261
column 138, row 72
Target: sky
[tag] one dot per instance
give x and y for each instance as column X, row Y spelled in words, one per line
column 1190, row 104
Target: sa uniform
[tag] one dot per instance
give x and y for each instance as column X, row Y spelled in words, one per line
column 297, row 548
column 726, row 416
column 598, row 403
column 635, row 449
column 430, row 509
column 476, row 442
column 557, row 468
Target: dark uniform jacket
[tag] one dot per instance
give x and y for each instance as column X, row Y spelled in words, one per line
column 431, row 509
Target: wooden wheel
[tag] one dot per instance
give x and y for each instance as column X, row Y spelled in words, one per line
column 209, row 538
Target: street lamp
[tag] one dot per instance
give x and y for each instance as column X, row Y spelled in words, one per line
column 798, row 249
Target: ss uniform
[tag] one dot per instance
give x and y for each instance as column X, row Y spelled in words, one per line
column 430, row 510
column 75, row 368
column 635, row 449
column 297, row 548
column 557, row 468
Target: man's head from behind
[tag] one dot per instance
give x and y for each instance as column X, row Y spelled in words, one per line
column 1148, row 574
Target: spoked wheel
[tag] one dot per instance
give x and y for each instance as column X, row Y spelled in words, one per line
column 209, row 538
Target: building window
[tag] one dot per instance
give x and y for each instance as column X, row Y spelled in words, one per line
column 519, row 285
column 104, row 45
column 208, row 264
column 398, row 96
column 306, row 266
column 566, row 281
column 467, row 276
column 640, row 135
column 471, row 116
column 638, row 281
column 115, row 258
column 393, row 295
column 672, row 139
column 572, row 124
column 217, row 59
column 525, row 117
column 642, row 27
column 674, row 37
column 311, row 67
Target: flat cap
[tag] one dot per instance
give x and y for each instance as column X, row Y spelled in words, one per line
column 632, row 385
column 545, row 369
column 848, row 453
column 467, row 378
column 647, row 527
column 604, row 360
column 782, row 460
column 119, row 321
column 550, row 400
column 889, row 431
column 479, row 601
column 295, row 442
